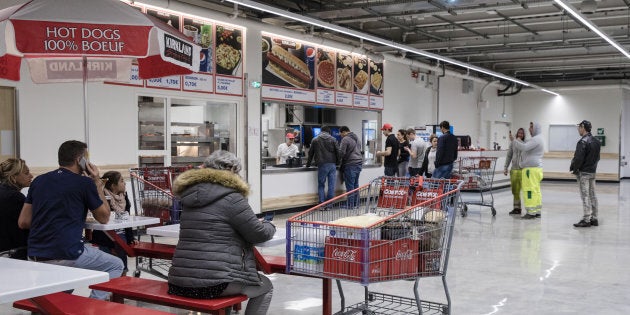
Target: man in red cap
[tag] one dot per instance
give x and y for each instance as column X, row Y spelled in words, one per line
column 287, row 149
column 391, row 150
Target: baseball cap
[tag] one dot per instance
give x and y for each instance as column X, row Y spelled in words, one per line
column 387, row 126
column 290, row 135
column 586, row 124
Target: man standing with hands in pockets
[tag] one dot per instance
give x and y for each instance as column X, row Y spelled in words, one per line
column 584, row 166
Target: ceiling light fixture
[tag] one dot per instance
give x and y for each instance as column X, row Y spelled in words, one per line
column 582, row 19
column 378, row 40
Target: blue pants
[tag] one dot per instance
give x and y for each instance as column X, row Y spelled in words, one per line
column 94, row 259
column 351, row 178
column 326, row 171
column 443, row 171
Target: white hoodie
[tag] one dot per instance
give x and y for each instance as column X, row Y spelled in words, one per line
column 532, row 150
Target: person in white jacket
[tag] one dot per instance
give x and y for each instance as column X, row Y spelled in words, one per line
column 532, row 170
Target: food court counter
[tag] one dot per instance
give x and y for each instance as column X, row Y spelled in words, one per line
column 284, row 188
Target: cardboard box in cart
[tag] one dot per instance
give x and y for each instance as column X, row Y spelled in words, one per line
column 387, row 259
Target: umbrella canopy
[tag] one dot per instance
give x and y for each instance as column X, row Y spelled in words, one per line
column 56, row 36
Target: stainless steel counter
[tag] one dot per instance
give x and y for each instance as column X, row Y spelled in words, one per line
column 280, row 170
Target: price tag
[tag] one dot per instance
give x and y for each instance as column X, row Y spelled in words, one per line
column 171, row 83
column 134, row 78
column 280, row 93
column 342, row 98
column 360, row 100
column 228, row 85
column 199, row 82
column 326, row 97
column 376, row 102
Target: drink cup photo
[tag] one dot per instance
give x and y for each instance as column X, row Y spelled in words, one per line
column 190, row 31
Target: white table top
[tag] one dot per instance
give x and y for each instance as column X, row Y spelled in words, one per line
column 173, row 231
column 21, row 279
column 131, row 221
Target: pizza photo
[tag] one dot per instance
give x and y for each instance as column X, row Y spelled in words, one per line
column 326, row 74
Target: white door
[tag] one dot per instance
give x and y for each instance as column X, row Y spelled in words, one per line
column 624, row 156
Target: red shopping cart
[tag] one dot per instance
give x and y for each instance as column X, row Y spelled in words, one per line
column 477, row 174
column 391, row 229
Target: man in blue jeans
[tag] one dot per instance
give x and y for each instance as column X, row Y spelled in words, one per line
column 446, row 152
column 55, row 211
column 325, row 150
column 391, row 150
column 351, row 163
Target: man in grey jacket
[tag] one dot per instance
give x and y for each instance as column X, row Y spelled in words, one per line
column 351, row 163
column 325, row 150
column 532, row 172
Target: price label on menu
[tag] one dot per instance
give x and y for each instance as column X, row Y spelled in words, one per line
column 231, row 86
column 326, row 97
column 376, row 102
column 360, row 100
column 198, row 82
column 280, row 93
column 344, row 99
column 172, row 82
column 134, row 76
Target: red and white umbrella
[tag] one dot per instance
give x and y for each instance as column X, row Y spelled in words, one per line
column 81, row 40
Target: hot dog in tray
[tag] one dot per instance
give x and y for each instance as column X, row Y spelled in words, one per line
column 288, row 67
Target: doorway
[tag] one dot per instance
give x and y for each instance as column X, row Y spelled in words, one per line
column 8, row 124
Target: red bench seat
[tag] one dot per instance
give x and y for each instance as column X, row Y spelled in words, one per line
column 155, row 291
column 69, row 304
column 154, row 250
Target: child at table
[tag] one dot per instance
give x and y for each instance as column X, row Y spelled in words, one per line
column 115, row 192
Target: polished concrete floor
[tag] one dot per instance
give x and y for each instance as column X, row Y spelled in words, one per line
column 505, row 265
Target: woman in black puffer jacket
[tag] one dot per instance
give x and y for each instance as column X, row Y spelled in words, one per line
column 214, row 256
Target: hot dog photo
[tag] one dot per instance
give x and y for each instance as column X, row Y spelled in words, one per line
column 287, row 63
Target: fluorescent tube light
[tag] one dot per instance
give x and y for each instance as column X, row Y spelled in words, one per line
column 578, row 16
column 378, row 40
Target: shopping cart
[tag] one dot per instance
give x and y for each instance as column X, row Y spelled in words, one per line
column 477, row 173
column 397, row 228
column 152, row 197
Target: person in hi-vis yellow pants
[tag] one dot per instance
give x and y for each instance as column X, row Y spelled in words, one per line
column 514, row 157
column 532, row 173
column 531, row 178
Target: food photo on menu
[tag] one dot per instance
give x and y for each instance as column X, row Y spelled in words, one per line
column 228, row 51
column 201, row 34
column 287, row 63
column 345, row 63
column 325, row 69
column 360, row 80
column 376, row 78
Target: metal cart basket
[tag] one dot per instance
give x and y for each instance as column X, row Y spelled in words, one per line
column 477, row 173
column 153, row 198
column 391, row 229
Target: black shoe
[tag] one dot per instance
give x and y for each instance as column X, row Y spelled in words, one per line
column 582, row 223
column 529, row 216
column 594, row 222
column 515, row 211
column 538, row 215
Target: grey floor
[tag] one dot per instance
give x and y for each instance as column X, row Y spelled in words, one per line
column 502, row 264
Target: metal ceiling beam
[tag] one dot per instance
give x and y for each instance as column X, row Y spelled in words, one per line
column 460, row 26
column 507, row 18
column 438, row 4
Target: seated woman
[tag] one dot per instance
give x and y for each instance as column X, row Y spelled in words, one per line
column 115, row 192
column 215, row 253
column 14, row 175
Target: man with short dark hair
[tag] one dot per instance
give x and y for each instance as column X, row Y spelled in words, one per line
column 416, row 150
column 351, row 162
column 55, row 211
column 446, row 152
column 391, row 150
column 325, row 150
column 584, row 166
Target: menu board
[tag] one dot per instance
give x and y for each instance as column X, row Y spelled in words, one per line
column 321, row 75
column 221, row 61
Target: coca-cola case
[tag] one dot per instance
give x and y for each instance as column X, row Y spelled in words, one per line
column 344, row 259
column 429, row 263
column 393, row 196
column 403, row 259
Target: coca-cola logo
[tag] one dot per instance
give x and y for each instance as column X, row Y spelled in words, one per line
column 404, row 254
column 394, row 192
column 345, row 255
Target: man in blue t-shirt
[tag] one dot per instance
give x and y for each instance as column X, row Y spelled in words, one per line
column 55, row 210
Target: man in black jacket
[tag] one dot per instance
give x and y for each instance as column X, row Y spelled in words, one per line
column 584, row 166
column 446, row 152
column 325, row 150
